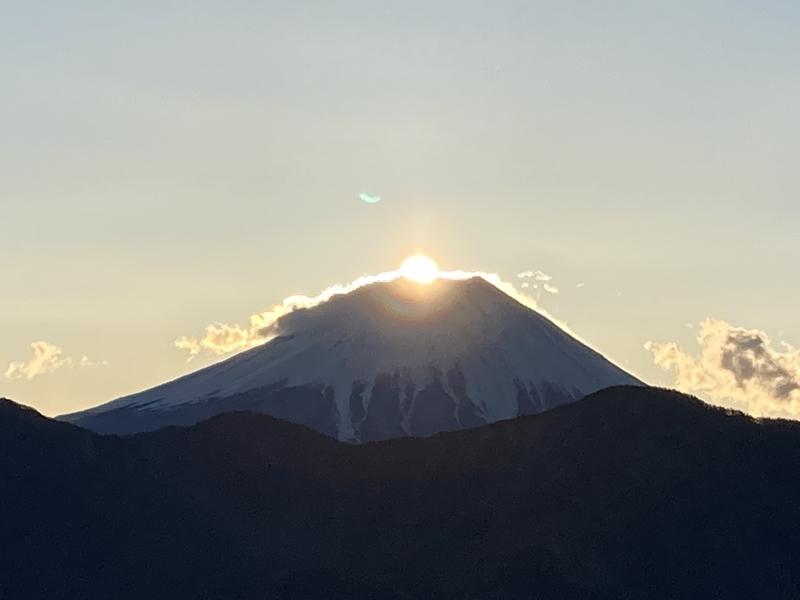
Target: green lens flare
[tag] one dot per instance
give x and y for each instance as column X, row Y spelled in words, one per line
column 369, row 198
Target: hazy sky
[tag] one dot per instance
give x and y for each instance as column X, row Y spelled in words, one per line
column 166, row 165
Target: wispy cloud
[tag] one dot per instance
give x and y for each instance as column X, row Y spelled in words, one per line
column 538, row 280
column 535, row 274
column 736, row 367
column 219, row 338
column 550, row 288
column 46, row 358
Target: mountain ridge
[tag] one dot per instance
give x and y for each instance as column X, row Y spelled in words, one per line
column 631, row 492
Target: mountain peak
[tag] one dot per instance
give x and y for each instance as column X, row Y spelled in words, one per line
column 389, row 359
column 406, row 308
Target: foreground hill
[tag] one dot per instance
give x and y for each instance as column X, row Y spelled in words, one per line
column 388, row 360
column 629, row 493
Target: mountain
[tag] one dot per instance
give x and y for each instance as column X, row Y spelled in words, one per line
column 387, row 360
column 632, row 492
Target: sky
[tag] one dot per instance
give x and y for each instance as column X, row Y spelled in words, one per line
column 165, row 166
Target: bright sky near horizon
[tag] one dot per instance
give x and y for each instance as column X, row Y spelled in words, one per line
column 165, row 166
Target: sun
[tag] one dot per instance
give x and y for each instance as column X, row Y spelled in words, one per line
column 420, row 269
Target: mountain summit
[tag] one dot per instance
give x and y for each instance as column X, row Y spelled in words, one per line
column 387, row 360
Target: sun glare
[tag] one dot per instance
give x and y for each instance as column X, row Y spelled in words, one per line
column 420, row 269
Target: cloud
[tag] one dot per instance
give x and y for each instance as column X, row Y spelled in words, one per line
column 219, row 338
column 536, row 275
column 539, row 279
column 86, row 362
column 46, row 358
column 736, row 367
column 549, row 288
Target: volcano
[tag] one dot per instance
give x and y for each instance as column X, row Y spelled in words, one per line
column 390, row 359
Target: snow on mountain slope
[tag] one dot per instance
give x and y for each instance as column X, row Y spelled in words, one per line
column 386, row 360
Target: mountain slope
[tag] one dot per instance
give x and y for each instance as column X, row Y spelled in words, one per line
column 629, row 493
column 387, row 360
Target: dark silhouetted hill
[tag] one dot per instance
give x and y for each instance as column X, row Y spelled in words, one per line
column 629, row 493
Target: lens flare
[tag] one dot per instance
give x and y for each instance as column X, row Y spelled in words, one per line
column 420, row 269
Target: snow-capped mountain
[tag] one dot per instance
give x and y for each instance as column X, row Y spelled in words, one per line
column 387, row 360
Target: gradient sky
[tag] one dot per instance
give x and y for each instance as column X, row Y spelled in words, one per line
column 168, row 165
